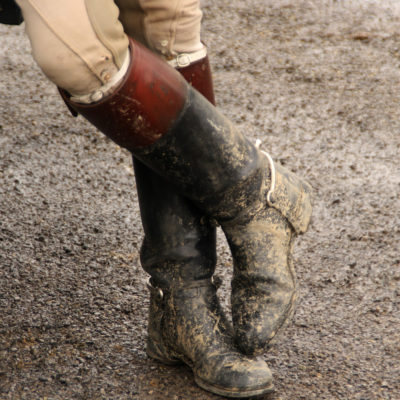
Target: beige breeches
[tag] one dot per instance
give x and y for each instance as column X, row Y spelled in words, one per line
column 82, row 44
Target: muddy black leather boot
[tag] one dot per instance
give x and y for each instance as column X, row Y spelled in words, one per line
column 186, row 323
column 260, row 205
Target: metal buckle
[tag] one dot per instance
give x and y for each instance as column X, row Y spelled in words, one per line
column 183, row 60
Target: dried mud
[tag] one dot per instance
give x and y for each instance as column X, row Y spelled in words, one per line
column 318, row 82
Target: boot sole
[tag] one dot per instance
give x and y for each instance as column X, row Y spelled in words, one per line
column 207, row 386
column 233, row 393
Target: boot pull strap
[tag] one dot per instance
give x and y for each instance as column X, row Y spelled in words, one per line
column 270, row 200
column 292, row 196
column 182, row 60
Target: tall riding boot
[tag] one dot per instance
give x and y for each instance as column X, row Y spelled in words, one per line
column 186, row 322
column 259, row 205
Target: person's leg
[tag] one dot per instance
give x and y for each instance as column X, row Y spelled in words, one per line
column 259, row 206
column 187, row 306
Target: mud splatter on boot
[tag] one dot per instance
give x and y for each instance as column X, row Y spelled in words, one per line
column 264, row 280
column 189, row 326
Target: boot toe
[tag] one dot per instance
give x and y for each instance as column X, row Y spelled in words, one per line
column 236, row 378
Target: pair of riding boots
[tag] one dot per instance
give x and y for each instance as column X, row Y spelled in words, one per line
column 192, row 168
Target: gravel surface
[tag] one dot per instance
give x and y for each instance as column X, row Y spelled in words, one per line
column 319, row 83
